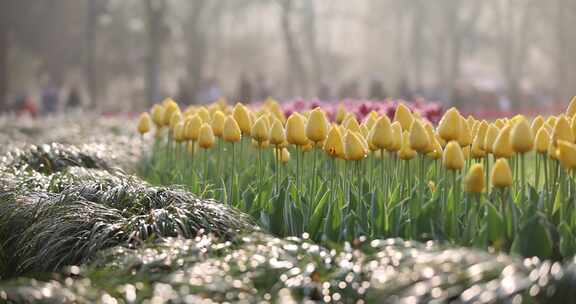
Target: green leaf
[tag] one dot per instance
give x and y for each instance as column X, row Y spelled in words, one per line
column 318, row 215
column 533, row 239
column 496, row 226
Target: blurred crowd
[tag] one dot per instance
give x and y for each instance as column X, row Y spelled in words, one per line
column 50, row 100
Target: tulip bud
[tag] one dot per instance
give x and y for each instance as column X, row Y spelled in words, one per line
column 175, row 119
column 170, row 106
column 295, row 130
column 453, row 158
column 571, row 110
column 537, row 123
column 260, row 130
column 277, row 136
column 334, row 145
column 144, row 123
column 283, row 156
column 474, row 180
column 206, row 138
column 562, row 130
column 158, row 115
column 406, row 152
column 382, row 137
column 352, row 125
column 371, row 120
column 396, row 143
column 542, row 141
column 567, row 154
column 341, row 113
column 317, row 126
column 193, row 126
column 353, row 147
column 418, row 137
column 231, row 132
column 204, row 114
column 437, row 151
column 501, row 174
column 243, row 118
column 449, row 127
column 403, row 115
column 502, row 146
column 476, row 151
column 464, row 135
column 218, row 123
column 521, row 137
column 178, row 133
column 491, row 135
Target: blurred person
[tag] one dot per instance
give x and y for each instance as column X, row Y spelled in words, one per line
column 50, row 98
column 244, row 93
column 24, row 105
column 349, row 90
column 74, row 100
column 404, row 91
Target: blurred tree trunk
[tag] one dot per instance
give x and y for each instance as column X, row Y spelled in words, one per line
column 155, row 13
column 196, row 47
column 311, row 30
column 4, row 48
column 418, row 51
column 90, row 45
column 298, row 79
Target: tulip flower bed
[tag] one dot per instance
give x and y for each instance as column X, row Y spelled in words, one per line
column 76, row 228
column 506, row 185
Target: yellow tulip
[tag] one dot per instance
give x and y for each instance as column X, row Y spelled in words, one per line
column 206, row 138
column 204, row 114
column 178, row 134
column 474, row 180
column 491, row 135
column 382, row 135
column 158, row 115
column 218, row 123
column 418, row 137
column 465, row 134
column 406, row 152
column 396, row 143
column 567, row 154
column 283, row 156
column 317, row 126
column 170, row 106
column 295, row 130
column 260, row 130
column 521, row 137
column 144, row 123
column 470, row 121
column 431, row 137
column 449, row 126
column 562, row 130
column 571, row 110
column 552, row 151
column 501, row 174
column 437, row 151
column 499, row 123
column 542, row 141
column 352, row 125
column 175, row 119
column 403, row 115
column 453, row 158
column 231, row 132
column 243, row 118
column 502, row 146
column 277, row 135
column 353, row 147
column 476, row 151
column 334, row 145
column 537, row 123
column 371, row 120
column 341, row 113
column 193, row 126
